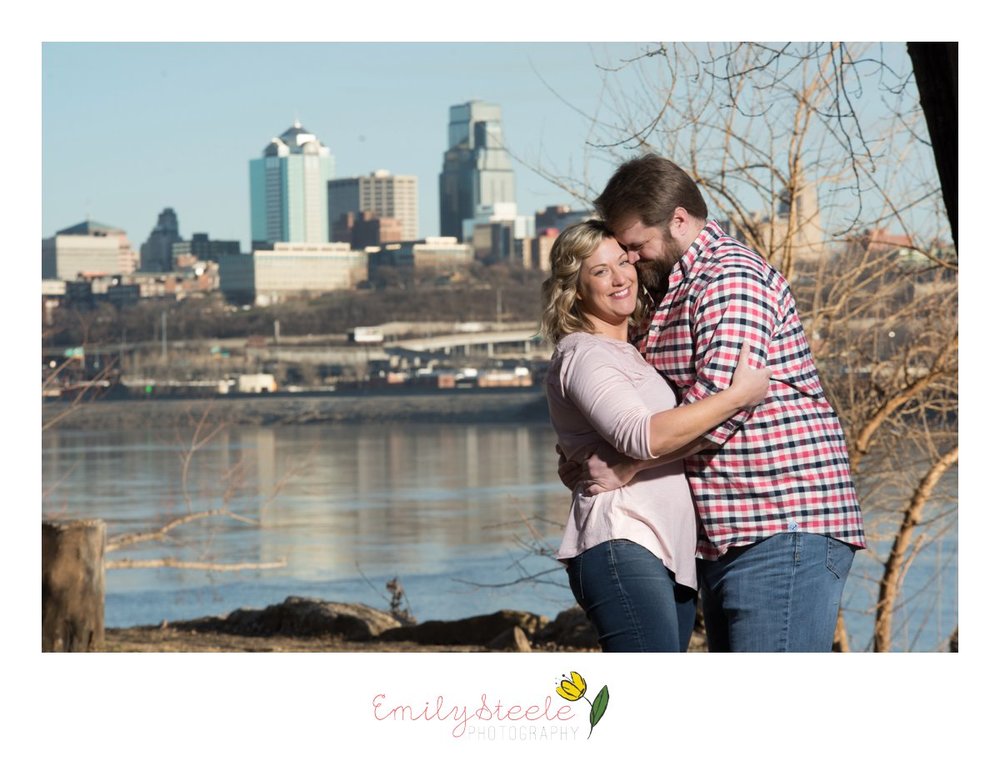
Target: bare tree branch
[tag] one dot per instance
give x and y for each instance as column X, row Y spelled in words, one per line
column 894, row 564
column 125, row 540
column 196, row 565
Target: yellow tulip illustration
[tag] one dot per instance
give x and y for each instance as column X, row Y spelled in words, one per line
column 572, row 688
column 575, row 687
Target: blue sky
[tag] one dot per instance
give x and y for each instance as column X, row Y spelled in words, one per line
column 131, row 128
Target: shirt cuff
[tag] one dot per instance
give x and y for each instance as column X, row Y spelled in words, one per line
column 724, row 431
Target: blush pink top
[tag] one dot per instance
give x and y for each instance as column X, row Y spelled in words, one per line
column 598, row 389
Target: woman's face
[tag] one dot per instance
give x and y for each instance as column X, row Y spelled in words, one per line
column 607, row 285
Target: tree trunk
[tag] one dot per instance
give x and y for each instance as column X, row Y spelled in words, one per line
column 935, row 67
column 72, row 586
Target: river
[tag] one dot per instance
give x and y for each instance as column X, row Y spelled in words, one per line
column 460, row 514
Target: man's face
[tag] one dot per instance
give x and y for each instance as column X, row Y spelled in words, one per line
column 650, row 249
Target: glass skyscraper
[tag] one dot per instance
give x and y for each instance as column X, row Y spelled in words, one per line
column 288, row 189
column 477, row 169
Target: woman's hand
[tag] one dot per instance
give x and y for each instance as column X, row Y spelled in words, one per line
column 750, row 384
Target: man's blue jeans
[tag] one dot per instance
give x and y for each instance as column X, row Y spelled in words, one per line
column 780, row 594
column 632, row 599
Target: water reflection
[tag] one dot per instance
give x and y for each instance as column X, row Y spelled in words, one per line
column 331, row 501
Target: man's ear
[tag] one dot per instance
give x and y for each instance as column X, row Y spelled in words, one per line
column 680, row 223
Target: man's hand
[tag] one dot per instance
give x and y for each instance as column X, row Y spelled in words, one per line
column 605, row 470
column 569, row 471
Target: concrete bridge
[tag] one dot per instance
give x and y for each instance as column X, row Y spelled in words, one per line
column 498, row 343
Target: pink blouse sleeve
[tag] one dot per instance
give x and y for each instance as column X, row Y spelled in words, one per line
column 598, row 382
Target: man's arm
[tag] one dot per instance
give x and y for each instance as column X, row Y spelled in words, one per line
column 739, row 306
column 607, row 469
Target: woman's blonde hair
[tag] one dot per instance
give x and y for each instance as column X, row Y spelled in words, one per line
column 560, row 306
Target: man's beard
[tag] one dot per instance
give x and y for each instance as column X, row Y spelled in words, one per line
column 654, row 273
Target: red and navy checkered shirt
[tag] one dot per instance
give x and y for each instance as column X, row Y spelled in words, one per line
column 783, row 467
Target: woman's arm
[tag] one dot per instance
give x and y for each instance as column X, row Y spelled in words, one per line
column 673, row 429
column 672, row 434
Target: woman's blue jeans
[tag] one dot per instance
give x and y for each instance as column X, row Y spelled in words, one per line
column 778, row 595
column 632, row 599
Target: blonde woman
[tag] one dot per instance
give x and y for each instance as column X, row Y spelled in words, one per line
column 630, row 552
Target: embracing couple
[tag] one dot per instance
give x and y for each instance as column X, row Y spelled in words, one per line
column 694, row 432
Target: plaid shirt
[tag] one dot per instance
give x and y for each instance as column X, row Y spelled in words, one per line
column 783, row 467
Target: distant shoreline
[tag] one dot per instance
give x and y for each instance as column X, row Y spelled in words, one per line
column 451, row 406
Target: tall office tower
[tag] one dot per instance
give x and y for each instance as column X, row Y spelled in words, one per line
column 288, row 189
column 477, row 169
column 157, row 254
column 381, row 193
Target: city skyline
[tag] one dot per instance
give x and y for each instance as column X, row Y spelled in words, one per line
column 188, row 147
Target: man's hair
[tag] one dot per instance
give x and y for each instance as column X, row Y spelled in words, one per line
column 651, row 188
column 561, row 314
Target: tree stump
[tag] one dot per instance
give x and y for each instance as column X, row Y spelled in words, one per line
column 73, row 586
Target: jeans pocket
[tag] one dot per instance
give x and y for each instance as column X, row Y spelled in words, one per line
column 839, row 557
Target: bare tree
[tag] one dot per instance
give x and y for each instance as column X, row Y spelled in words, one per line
column 817, row 155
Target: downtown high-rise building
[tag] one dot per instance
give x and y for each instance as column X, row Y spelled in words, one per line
column 157, row 253
column 288, row 189
column 477, row 169
column 381, row 193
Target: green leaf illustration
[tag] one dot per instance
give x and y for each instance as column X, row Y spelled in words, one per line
column 597, row 708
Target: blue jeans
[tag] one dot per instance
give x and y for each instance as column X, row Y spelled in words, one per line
column 780, row 594
column 632, row 599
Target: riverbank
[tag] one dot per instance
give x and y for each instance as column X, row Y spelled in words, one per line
column 155, row 639
column 309, row 625
column 449, row 406
column 301, row 624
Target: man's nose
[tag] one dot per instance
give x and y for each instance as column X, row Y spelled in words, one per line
column 633, row 256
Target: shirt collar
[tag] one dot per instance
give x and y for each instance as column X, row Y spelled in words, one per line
column 710, row 233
